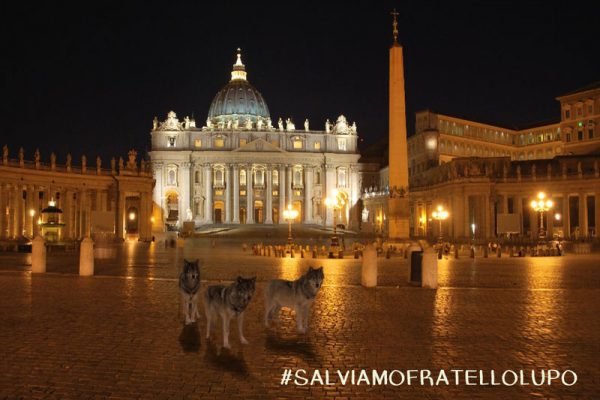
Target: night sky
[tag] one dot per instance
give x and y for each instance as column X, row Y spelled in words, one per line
column 90, row 78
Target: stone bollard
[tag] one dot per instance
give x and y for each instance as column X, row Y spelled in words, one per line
column 485, row 252
column 341, row 254
column 86, row 257
column 430, row 269
column 368, row 276
column 472, row 255
column 292, row 252
column 499, row 252
column 302, row 253
column 439, row 253
column 356, row 254
column 388, row 252
column 38, row 255
column 456, row 252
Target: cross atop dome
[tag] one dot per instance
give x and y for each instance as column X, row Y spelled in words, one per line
column 239, row 70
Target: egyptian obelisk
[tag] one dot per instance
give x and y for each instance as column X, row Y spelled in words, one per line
column 398, row 212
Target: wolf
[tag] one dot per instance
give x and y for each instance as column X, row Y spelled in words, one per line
column 229, row 301
column 298, row 295
column 189, row 286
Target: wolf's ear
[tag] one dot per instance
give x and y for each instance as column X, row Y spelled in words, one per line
column 320, row 268
column 310, row 268
column 239, row 279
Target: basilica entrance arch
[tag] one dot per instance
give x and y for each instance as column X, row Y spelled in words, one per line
column 297, row 205
column 258, row 212
column 219, row 212
column 132, row 220
column 343, row 216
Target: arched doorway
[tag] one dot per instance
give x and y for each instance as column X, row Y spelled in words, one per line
column 258, row 212
column 132, row 221
column 172, row 200
column 219, row 211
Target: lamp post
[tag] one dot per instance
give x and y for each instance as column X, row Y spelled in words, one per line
column 440, row 215
column 289, row 215
column 335, row 202
column 542, row 205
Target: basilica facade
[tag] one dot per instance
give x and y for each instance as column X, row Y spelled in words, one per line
column 243, row 167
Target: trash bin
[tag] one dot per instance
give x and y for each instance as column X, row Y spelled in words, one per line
column 416, row 266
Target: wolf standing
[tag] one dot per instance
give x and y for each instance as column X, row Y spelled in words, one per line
column 229, row 301
column 189, row 286
column 298, row 295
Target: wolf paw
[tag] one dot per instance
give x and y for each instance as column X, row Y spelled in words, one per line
column 226, row 346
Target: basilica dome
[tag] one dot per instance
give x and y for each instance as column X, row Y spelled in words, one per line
column 238, row 99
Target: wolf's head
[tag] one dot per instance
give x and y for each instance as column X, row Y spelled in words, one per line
column 191, row 270
column 243, row 290
column 315, row 277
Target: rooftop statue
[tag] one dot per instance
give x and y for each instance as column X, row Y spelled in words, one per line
column 209, row 124
column 228, row 124
column 289, row 125
column 21, row 157
column 155, row 123
column 269, row 123
column 259, row 124
column 37, row 158
column 113, row 166
column 186, row 122
column 248, row 124
column 327, row 126
column 98, row 164
column 341, row 126
column 192, row 123
column 52, row 161
column 280, row 124
column 69, row 158
column 83, row 164
column 353, row 128
column 236, row 123
column 306, row 125
column 131, row 163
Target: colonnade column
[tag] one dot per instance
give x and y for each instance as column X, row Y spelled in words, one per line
column 249, row 196
column 67, row 219
column 185, row 193
column 144, row 217
column 597, row 213
column 208, row 189
column 227, row 193
column 30, row 220
column 583, row 225
column 19, row 211
column 308, row 184
column 282, row 193
column 269, row 208
column 566, row 218
column 288, row 186
column 120, row 214
column 10, row 216
column 236, row 194
column 330, row 184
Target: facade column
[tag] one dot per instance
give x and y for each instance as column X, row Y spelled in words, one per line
column 289, row 183
column 488, row 205
column 19, row 211
column 227, row 193
column 3, row 220
column 10, row 216
column 249, row 196
column 144, row 217
column 157, row 195
column 308, row 185
column 68, row 229
column 518, row 208
column 467, row 221
column 330, row 185
column 120, row 214
column 184, row 180
column 282, row 193
column 208, row 190
column 236, row 194
column 566, row 217
column 583, row 226
column 269, row 208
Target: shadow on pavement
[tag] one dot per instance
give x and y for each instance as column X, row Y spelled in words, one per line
column 287, row 345
column 225, row 360
column 190, row 338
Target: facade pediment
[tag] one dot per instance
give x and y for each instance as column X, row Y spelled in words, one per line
column 259, row 145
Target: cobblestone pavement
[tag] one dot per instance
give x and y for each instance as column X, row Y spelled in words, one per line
column 119, row 334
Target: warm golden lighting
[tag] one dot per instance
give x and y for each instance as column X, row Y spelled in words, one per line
column 152, row 219
column 32, row 212
column 52, row 203
column 131, row 216
column 557, row 216
column 541, row 205
column 440, row 214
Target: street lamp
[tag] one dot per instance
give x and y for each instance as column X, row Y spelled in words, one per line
column 542, row 205
column 289, row 215
column 440, row 215
column 335, row 202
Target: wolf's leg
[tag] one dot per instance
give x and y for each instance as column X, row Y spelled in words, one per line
column 185, row 306
column 225, row 319
column 268, row 312
column 240, row 322
column 208, row 320
column 306, row 314
column 195, row 313
column 299, row 318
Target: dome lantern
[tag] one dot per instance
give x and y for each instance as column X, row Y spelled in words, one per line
column 239, row 70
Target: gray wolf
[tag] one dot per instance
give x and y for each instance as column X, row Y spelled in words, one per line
column 189, row 286
column 298, row 295
column 229, row 301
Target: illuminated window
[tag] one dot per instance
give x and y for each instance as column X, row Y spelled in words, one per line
column 198, row 143
column 297, row 144
column 275, row 142
column 242, row 192
column 259, row 177
column 243, row 177
column 298, row 192
column 171, row 141
column 275, row 177
column 275, row 193
column 342, row 144
column 172, row 175
column 243, row 142
column 297, row 176
column 218, row 193
column 219, row 142
column 317, row 145
column 341, row 177
column 218, row 176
